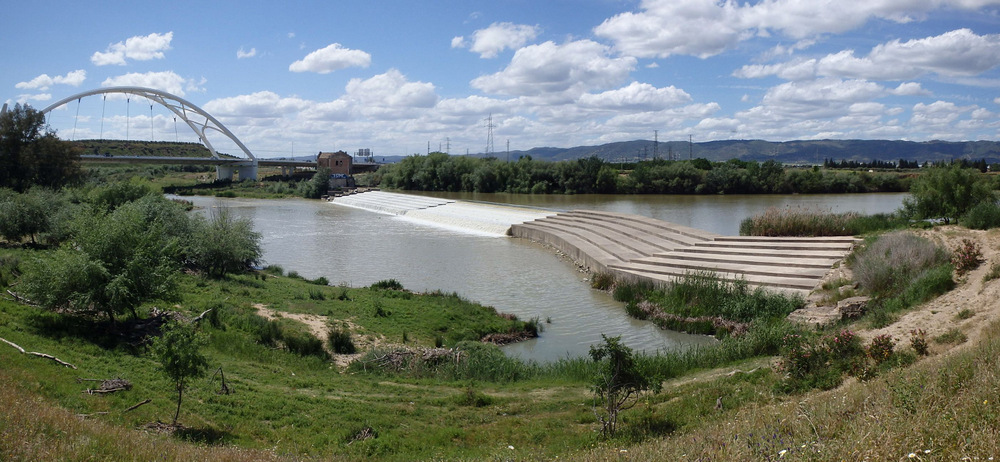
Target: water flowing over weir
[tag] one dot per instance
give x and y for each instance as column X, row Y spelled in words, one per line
column 480, row 218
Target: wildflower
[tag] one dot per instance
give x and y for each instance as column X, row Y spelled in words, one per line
column 510, row 447
column 911, row 455
column 782, row 452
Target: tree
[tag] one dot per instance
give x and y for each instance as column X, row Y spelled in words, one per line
column 619, row 383
column 23, row 215
column 947, row 192
column 114, row 262
column 30, row 154
column 318, row 185
column 224, row 244
column 178, row 350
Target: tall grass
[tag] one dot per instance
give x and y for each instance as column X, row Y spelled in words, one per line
column 886, row 265
column 800, row 221
column 984, row 215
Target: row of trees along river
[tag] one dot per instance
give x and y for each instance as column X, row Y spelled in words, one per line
column 441, row 172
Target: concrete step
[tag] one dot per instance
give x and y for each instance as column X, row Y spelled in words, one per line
column 651, row 235
column 728, row 267
column 776, row 245
column 664, row 275
column 783, row 261
column 627, row 237
column 617, row 250
column 762, row 252
column 664, row 226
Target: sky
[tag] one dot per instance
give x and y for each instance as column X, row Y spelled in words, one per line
column 403, row 77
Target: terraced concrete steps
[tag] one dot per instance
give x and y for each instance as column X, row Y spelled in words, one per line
column 642, row 248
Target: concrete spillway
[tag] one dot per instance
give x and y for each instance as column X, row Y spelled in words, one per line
column 629, row 246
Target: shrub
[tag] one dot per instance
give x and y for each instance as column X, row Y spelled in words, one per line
column 303, row 343
column 881, row 348
column 340, row 342
column 947, row 192
column 984, row 215
column 993, row 273
column 918, row 341
column 966, row 257
column 887, row 264
column 387, row 284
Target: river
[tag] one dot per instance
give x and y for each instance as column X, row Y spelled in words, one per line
column 357, row 247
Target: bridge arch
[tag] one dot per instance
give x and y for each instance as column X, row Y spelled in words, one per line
column 190, row 113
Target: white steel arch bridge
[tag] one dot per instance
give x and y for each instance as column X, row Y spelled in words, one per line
column 199, row 121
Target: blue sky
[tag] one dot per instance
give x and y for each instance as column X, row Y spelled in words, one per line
column 393, row 76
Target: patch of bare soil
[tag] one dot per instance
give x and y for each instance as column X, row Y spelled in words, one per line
column 938, row 316
column 319, row 326
column 941, row 315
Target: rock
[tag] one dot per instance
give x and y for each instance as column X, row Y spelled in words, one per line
column 851, row 308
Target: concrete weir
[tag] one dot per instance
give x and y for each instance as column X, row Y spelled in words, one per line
column 630, row 246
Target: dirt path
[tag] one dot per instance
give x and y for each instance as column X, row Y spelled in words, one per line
column 941, row 315
column 319, row 326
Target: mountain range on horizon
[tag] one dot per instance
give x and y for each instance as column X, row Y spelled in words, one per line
column 797, row 152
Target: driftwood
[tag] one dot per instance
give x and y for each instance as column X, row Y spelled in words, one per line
column 35, row 353
column 107, row 386
column 200, row 316
column 147, row 401
column 21, row 299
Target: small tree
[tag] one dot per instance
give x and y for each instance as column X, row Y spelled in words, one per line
column 225, row 244
column 619, row 383
column 178, row 352
column 947, row 192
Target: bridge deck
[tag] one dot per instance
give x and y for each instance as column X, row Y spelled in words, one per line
column 645, row 249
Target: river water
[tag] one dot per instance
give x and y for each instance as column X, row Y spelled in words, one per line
column 358, row 247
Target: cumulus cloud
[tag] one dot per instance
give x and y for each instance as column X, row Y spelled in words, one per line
column 167, row 81
column 548, row 68
column 241, row 53
column 259, row 105
column 390, row 95
column 331, row 58
column 637, row 96
column 33, row 97
column 706, row 28
column 139, row 48
column 43, row 82
column 497, row 37
column 957, row 53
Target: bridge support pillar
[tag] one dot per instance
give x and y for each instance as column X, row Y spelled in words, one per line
column 247, row 171
column 224, row 172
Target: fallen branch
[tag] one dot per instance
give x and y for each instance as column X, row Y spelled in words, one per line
column 12, row 343
column 147, row 401
column 43, row 355
column 21, row 299
column 101, row 391
column 35, row 353
column 200, row 316
column 87, row 416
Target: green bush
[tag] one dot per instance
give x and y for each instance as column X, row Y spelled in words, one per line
column 886, row 265
column 387, row 284
column 947, row 192
column 340, row 342
column 984, row 215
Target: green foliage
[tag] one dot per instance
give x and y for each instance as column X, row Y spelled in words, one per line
column 918, row 341
column 440, row 172
column 966, row 257
column 887, row 264
column 947, row 192
column 224, row 244
column 318, row 185
column 30, row 154
column 805, row 222
column 984, row 215
column 178, row 351
column 387, row 284
column 111, row 196
column 619, row 382
column 24, row 215
column 340, row 341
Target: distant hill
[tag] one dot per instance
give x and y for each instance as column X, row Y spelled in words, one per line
column 788, row 152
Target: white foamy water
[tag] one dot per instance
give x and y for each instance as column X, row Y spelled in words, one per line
column 476, row 218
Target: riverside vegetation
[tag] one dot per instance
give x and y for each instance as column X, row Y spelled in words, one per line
column 276, row 394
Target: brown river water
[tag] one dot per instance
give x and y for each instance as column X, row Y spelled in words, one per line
column 358, row 247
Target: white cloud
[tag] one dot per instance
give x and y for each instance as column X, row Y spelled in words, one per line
column 996, row 100
column 43, row 82
column 259, row 105
column 390, row 95
column 547, row 69
column 708, row 27
column 139, row 48
column 241, row 53
column 332, row 58
column 910, row 89
column 497, row 37
column 36, row 97
column 167, row 81
column 637, row 96
column 938, row 115
column 957, row 53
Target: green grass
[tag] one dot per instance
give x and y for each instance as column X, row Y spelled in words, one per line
column 808, row 222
